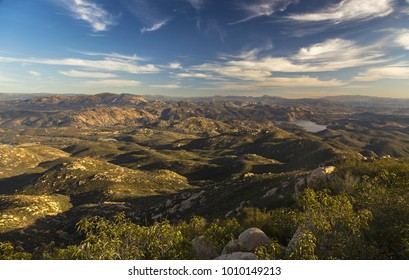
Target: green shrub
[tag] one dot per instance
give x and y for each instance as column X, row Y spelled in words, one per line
column 338, row 228
column 271, row 252
column 278, row 223
column 9, row 252
column 122, row 239
column 220, row 232
column 305, row 247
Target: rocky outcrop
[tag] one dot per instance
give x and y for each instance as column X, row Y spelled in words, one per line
column 270, row 192
column 232, row 246
column 185, row 204
column 245, row 246
column 253, row 238
column 319, row 174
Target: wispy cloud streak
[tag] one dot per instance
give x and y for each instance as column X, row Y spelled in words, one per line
column 149, row 13
column 83, row 74
column 396, row 71
column 197, row 4
column 155, row 27
column 403, row 39
column 166, row 86
column 263, row 8
column 94, row 14
column 348, row 10
column 114, row 55
column 106, row 64
column 328, row 56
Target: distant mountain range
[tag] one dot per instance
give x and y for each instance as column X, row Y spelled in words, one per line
column 106, row 97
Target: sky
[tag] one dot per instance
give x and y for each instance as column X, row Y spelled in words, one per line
column 288, row 48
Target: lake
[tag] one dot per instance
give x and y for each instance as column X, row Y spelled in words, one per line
column 309, row 125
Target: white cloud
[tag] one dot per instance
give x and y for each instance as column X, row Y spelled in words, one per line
column 196, row 76
column 112, row 83
column 403, row 39
column 114, row 55
column 336, row 54
column 328, row 49
column 82, row 74
column 167, row 86
column 155, row 26
column 35, row 74
column 149, row 13
column 235, row 71
column 327, row 56
column 248, row 54
column 107, row 64
column 396, row 71
column 278, row 82
column 174, row 65
column 90, row 12
column 197, row 4
column 249, row 71
column 263, row 8
column 304, row 81
column 347, row 10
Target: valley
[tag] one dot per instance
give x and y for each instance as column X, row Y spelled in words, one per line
column 157, row 160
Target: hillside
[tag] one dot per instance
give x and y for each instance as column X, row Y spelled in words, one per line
column 236, row 162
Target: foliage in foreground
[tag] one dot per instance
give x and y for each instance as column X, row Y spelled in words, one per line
column 121, row 239
column 362, row 212
column 9, row 252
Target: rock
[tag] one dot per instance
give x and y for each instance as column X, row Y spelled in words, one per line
column 270, row 192
column 252, row 238
column 157, row 217
column 121, row 207
column 242, row 205
column 173, row 209
column 203, row 248
column 248, row 175
column 320, row 174
column 329, row 169
column 300, row 184
column 228, row 214
column 187, row 204
column 299, row 233
column 232, row 246
column 238, row 256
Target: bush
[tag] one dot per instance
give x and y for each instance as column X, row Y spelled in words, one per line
column 338, row 228
column 9, row 252
column 271, row 252
column 220, row 232
column 121, row 239
column 278, row 223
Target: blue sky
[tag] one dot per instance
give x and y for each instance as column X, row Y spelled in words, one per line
column 289, row 48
